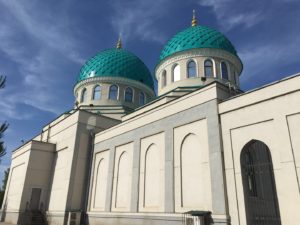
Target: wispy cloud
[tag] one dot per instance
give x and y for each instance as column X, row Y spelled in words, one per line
column 231, row 13
column 139, row 19
column 264, row 59
column 36, row 44
column 49, row 32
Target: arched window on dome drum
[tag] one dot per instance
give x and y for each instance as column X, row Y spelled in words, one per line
column 128, row 94
column 113, row 92
column 224, row 70
column 97, row 93
column 236, row 78
column 176, row 73
column 142, row 98
column 164, row 79
column 191, row 69
column 208, row 68
column 83, row 95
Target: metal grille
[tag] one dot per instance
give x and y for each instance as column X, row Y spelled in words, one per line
column 259, row 185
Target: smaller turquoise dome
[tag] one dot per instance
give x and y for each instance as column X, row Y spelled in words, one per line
column 116, row 63
column 197, row 37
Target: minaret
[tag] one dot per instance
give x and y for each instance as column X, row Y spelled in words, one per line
column 119, row 43
column 194, row 20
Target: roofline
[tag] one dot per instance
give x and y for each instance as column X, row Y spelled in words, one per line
column 264, row 86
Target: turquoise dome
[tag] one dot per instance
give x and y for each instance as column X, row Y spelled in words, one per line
column 197, row 37
column 116, row 63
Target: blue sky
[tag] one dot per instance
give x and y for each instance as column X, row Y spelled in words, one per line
column 43, row 45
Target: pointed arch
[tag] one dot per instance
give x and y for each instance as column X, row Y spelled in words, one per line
column 191, row 69
column 208, row 68
column 191, row 171
column 123, row 179
column 128, row 94
column 259, row 184
column 113, row 92
column 100, row 183
column 152, row 176
column 97, row 92
column 164, row 78
column 176, row 73
column 224, row 70
column 83, row 95
column 141, row 98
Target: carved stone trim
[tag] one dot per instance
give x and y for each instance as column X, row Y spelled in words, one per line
column 117, row 80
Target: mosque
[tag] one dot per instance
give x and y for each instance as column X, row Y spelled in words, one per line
column 199, row 152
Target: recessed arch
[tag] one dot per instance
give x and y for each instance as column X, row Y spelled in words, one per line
column 128, row 96
column 191, row 69
column 209, row 68
column 152, row 177
column 191, row 172
column 100, row 183
column 97, row 92
column 176, row 73
column 113, row 92
column 224, row 70
column 141, row 98
column 164, row 78
column 83, row 97
column 259, row 186
column 123, row 181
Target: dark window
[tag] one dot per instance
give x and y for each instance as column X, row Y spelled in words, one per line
column 142, row 98
column 191, row 69
column 208, row 68
column 164, row 79
column 260, row 195
column 224, row 70
column 97, row 93
column 113, row 92
column 128, row 94
column 83, row 95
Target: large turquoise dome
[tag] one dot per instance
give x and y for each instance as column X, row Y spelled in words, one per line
column 116, row 62
column 197, row 37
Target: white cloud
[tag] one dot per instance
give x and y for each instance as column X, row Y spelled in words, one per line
column 230, row 14
column 34, row 58
column 51, row 33
column 139, row 19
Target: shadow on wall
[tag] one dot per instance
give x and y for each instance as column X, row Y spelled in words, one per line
column 28, row 216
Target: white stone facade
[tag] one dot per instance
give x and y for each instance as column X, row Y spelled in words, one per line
column 186, row 152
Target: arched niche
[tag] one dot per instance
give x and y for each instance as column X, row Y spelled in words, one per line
column 123, row 181
column 100, row 184
column 152, row 181
column 259, row 187
column 191, row 172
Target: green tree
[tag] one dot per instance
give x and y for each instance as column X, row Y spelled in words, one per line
column 3, row 126
column 4, row 183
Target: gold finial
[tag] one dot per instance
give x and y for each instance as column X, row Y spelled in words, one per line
column 194, row 20
column 119, row 44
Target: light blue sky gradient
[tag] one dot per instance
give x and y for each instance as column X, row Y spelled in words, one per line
column 43, row 45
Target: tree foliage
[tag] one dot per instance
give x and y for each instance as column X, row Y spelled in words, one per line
column 3, row 126
column 2, row 81
column 4, row 183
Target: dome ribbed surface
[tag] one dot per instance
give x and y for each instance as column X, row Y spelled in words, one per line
column 197, row 37
column 116, row 63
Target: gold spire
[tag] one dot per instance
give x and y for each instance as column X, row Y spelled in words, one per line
column 194, row 20
column 119, row 44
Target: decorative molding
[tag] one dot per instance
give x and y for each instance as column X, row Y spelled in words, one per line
column 113, row 80
column 203, row 52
